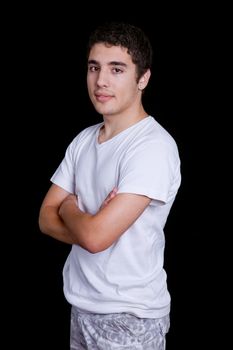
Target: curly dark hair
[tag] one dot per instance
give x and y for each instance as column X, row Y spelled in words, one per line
column 128, row 36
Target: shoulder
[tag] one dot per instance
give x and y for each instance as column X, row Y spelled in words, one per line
column 158, row 134
column 153, row 137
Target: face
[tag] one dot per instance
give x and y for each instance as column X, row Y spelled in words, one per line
column 111, row 80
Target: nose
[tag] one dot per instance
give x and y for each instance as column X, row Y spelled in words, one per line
column 102, row 80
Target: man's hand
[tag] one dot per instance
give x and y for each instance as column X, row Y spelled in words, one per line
column 110, row 196
column 70, row 201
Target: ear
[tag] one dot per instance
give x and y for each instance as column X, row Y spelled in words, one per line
column 143, row 81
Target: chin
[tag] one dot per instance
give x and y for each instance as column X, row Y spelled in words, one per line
column 103, row 110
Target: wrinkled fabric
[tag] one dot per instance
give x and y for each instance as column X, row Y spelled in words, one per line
column 117, row 331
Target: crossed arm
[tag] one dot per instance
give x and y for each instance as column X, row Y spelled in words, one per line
column 61, row 218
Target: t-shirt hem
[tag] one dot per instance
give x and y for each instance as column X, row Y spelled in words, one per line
column 162, row 197
column 111, row 309
column 55, row 180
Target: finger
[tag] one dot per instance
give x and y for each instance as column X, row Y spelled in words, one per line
column 114, row 190
column 112, row 194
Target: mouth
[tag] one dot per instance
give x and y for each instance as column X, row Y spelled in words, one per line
column 103, row 97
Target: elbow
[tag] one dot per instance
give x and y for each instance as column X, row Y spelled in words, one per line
column 94, row 246
column 90, row 246
column 90, row 250
column 42, row 223
column 94, row 249
column 90, row 236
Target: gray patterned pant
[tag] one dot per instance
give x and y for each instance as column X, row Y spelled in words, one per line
column 116, row 331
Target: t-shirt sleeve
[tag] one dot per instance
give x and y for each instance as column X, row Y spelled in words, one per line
column 64, row 175
column 150, row 170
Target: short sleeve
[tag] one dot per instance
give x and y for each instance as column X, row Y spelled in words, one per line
column 64, row 175
column 150, row 169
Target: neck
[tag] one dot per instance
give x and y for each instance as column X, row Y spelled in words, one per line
column 113, row 125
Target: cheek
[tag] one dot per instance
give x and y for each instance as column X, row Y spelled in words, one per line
column 90, row 79
column 90, row 85
column 128, row 92
column 88, row 82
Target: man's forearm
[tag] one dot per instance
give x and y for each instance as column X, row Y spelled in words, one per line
column 98, row 232
column 51, row 224
column 94, row 233
column 78, row 224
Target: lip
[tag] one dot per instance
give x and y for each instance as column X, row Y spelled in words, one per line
column 102, row 97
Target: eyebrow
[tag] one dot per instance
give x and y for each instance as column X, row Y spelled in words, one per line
column 111, row 63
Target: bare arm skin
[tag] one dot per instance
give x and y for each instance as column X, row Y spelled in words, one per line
column 96, row 233
column 61, row 218
column 50, row 221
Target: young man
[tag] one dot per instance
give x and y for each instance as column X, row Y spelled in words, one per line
column 110, row 199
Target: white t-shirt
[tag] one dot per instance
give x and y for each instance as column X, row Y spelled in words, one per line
column 128, row 276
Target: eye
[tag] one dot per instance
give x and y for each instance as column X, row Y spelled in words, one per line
column 93, row 68
column 117, row 70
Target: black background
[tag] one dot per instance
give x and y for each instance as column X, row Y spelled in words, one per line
column 49, row 105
